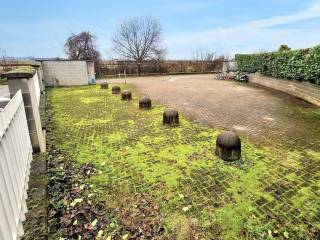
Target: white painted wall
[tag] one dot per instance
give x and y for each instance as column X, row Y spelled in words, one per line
column 65, row 73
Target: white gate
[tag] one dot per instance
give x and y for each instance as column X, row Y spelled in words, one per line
column 15, row 158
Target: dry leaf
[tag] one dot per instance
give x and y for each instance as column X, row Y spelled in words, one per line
column 94, row 222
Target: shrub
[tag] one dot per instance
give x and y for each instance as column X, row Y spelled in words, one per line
column 301, row 65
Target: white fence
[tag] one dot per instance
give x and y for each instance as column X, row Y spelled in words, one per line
column 15, row 158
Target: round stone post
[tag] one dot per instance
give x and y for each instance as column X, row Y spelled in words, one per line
column 116, row 90
column 126, row 95
column 145, row 103
column 104, row 85
column 171, row 117
column 228, row 146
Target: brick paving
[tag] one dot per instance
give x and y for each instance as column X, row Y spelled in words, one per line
column 250, row 110
column 272, row 189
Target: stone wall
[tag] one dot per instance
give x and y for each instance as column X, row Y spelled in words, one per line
column 65, row 73
column 304, row 90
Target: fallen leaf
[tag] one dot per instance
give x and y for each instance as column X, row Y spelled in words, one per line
column 124, row 237
column 270, row 234
column 286, row 234
column 181, row 195
column 76, row 201
column 186, row 208
column 94, row 222
column 100, row 233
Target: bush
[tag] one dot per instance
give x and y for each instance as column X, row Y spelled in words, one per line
column 301, row 65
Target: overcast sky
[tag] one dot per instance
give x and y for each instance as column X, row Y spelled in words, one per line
column 39, row 28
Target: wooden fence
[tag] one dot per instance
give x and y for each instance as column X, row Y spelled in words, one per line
column 15, row 158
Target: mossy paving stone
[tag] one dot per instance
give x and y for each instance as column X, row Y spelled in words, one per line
column 135, row 154
column 63, row 225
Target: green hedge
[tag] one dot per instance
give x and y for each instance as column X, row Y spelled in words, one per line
column 301, row 65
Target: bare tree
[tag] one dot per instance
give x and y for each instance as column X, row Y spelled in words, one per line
column 204, row 60
column 83, row 46
column 159, row 56
column 139, row 39
column 284, row 48
column 3, row 62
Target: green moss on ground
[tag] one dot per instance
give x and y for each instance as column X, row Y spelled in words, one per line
column 35, row 226
column 23, row 69
column 271, row 192
column 3, row 81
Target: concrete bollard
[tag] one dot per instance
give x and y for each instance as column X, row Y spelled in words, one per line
column 145, row 103
column 126, row 95
column 171, row 117
column 228, row 146
column 104, row 85
column 116, row 90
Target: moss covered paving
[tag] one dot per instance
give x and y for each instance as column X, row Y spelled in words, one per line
column 270, row 192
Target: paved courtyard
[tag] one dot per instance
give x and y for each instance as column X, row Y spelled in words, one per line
column 116, row 171
column 250, row 110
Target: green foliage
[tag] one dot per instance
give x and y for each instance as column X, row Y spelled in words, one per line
column 301, row 65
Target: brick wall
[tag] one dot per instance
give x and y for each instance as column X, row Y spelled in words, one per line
column 304, row 90
column 65, row 73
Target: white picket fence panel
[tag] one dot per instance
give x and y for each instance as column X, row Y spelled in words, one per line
column 36, row 84
column 15, row 159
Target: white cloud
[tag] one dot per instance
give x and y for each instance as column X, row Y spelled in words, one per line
column 309, row 13
column 188, row 6
column 250, row 36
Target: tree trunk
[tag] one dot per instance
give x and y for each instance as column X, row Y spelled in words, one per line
column 139, row 68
